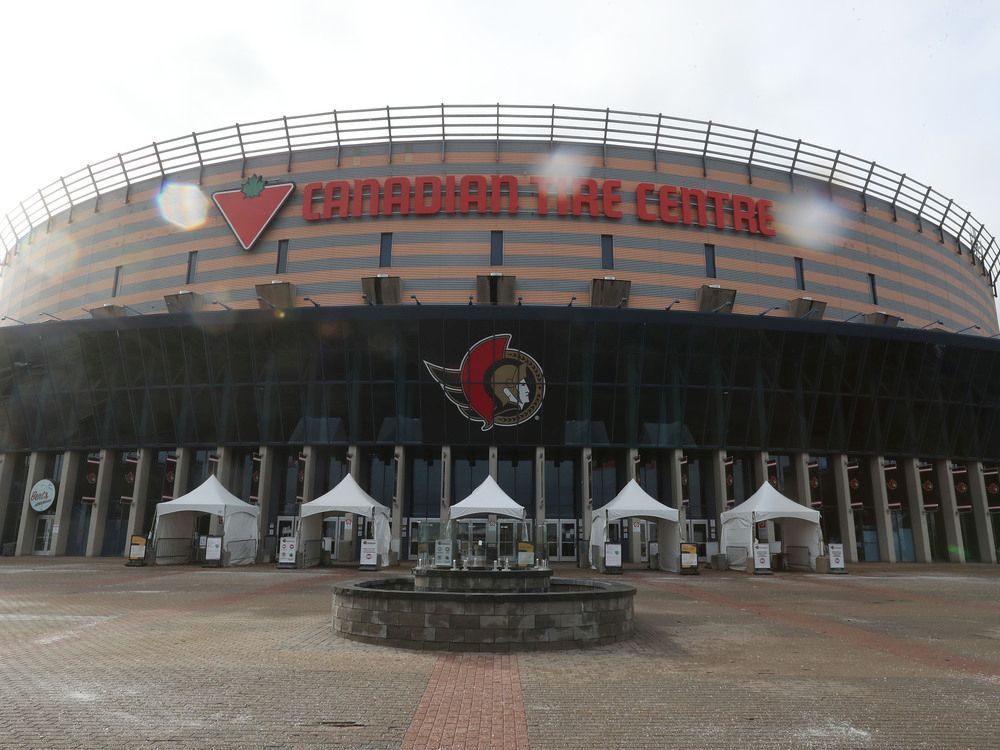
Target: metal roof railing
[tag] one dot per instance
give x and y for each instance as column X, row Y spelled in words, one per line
column 502, row 123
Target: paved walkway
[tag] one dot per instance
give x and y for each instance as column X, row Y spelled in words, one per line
column 97, row 655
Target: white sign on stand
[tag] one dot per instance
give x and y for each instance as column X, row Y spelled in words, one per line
column 213, row 548
column 287, row 546
column 762, row 556
column 612, row 555
column 442, row 553
column 836, row 552
column 369, row 553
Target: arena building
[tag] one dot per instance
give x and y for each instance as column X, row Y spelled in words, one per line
column 562, row 298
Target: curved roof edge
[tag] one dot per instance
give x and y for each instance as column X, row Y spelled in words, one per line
column 503, row 124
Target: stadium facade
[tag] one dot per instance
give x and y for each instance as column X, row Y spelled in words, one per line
column 562, row 298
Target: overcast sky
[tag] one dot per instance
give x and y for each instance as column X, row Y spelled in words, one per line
column 913, row 85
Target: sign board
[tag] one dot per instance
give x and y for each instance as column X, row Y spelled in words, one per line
column 762, row 556
column 213, row 548
column 43, row 494
column 689, row 557
column 287, row 546
column 612, row 555
column 525, row 553
column 654, row 548
column 442, row 553
column 369, row 554
column 348, row 525
column 836, row 552
column 328, row 544
column 202, row 541
column 137, row 547
column 635, row 524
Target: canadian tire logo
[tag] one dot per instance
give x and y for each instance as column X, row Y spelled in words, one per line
column 494, row 385
column 249, row 208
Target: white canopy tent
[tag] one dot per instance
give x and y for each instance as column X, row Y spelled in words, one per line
column 799, row 525
column 634, row 502
column 346, row 497
column 487, row 499
column 232, row 519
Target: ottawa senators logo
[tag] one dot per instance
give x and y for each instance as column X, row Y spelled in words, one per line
column 494, row 385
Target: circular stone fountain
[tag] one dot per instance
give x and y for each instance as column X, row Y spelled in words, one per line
column 483, row 610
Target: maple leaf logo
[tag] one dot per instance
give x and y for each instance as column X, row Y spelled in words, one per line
column 249, row 209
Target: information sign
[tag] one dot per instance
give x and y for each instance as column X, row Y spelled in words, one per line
column 612, row 555
column 137, row 548
column 287, row 546
column 369, row 554
column 213, row 548
column 442, row 553
column 762, row 556
column 836, row 552
column 689, row 558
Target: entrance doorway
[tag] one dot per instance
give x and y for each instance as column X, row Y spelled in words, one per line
column 333, row 529
column 560, row 539
column 647, row 535
column 43, row 535
column 697, row 534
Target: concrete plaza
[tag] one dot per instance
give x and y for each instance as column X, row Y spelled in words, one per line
column 94, row 654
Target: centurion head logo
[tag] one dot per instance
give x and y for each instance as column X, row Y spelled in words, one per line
column 495, row 385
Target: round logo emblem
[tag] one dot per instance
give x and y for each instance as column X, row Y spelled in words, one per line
column 494, row 385
column 43, row 494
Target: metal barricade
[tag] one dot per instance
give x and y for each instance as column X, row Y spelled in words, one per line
column 797, row 558
column 173, row 551
column 738, row 557
column 312, row 552
column 240, row 552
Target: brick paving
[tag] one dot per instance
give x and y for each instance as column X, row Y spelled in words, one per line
column 97, row 655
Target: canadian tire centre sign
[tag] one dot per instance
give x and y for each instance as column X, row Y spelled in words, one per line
column 249, row 209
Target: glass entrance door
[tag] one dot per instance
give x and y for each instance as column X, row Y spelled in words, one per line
column 698, row 535
column 43, row 535
column 560, row 539
column 471, row 538
column 505, row 541
column 333, row 530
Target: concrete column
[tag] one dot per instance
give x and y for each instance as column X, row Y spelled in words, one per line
column 493, row 461
column 396, row 552
column 541, row 549
column 718, row 480
column 880, row 499
column 634, row 539
column 140, row 494
column 949, row 510
column 64, row 500
column 6, row 478
column 668, row 534
column 915, row 502
column 801, row 463
column 26, row 529
column 309, row 473
column 980, row 511
column 586, row 492
column 848, row 537
column 263, row 500
column 759, row 467
column 102, row 497
column 445, row 484
column 224, row 458
column 182, row 470
column 346, row 548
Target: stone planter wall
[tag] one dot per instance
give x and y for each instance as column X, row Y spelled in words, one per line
column 573, row 614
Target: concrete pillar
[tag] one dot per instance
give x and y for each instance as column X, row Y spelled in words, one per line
column 586, row 492
column 949, row 510
column 980, row 511
column 915, row 502
column 140, row 494
column 224, row 458
column 493, row 452
column 182, row 470
column 758, row 464
column 801, row 463
column 445, row 484
column 263, row 500
column 7, row 461
column 634, row 539
column 64, row 501
column 26, row 529
column 669, row 535
column 346, row 550
column 848, row 537
column 880, row 499
column 718, row 482
column 309, row 473
column 541, row 549
column 102, row 498
column 396, row 552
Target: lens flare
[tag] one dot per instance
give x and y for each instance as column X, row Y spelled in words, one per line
column 183, row 205
column 813, row 221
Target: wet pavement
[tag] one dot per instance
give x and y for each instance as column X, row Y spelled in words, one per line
column 94, row 654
